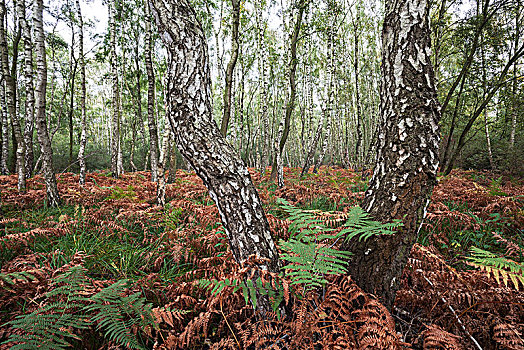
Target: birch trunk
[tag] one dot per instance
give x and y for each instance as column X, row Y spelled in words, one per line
column 115, row 105
column 330, row 90
column 162, row 161
column 263, row 69
column 4, row 170
column 83, row 133
column 199, row 139
column 290, row 103
column 151, row 122
column 10, row 87
column 53, row 196
column 407, row 160
column 235, row 12
column 29, row 88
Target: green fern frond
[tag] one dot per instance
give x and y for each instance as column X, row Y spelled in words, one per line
column 52, row 326
column 498, row 267
column 359, row 224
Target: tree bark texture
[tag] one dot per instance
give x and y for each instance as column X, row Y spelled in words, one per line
column 53, row 196
column 151, row 122
column 199, row 139
column 83, row 111
column 10, row 87
column 29, row 88
column 235, row 12
column 407, row 160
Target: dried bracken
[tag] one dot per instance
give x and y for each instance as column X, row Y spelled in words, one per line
column 187, row 237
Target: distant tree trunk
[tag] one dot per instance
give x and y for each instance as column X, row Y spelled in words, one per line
column 53, row 196
column 162, row 161
column 4, row 170
column 200, row 141
column 153, row 133
column 138, row 110
column 330, row 89
column 290, row 104
column 115, row 105
column 83, row 134
column 356, row 58
column 10, row 86
column 519, row 52
column 73, row 64
column 310, row 157
column 514, row 109
column 29, row 88
column 235, row 14
column 263, row 70
column 172, row 162
column 407, row 162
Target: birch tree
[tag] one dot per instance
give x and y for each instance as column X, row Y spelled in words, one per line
column 151, row 122
column 83, row 110
column 10, row 87
column 407, row 160
column 53, row 196
column 199, row 140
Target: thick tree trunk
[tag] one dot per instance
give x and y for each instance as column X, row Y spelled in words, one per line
column 29, row 88
column 199, row 139
column 10, row 87
column 115, row 105
column 153, row 133
column 83, row 111
column 290, row 104
column 40, row 94
column 407, row 162
column 231, row 66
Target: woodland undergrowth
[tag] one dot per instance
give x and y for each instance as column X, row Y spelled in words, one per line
column 462, row 288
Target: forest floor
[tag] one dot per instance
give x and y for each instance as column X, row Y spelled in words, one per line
column 110, row 267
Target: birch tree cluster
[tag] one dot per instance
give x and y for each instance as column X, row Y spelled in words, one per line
column 295, row 83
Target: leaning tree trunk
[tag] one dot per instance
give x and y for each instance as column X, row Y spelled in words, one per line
column 41, row 123
column 29, row 88
column 407, row 159
column 188, row 94
column 153, row 133
column 10, row 87
column 83, row 133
